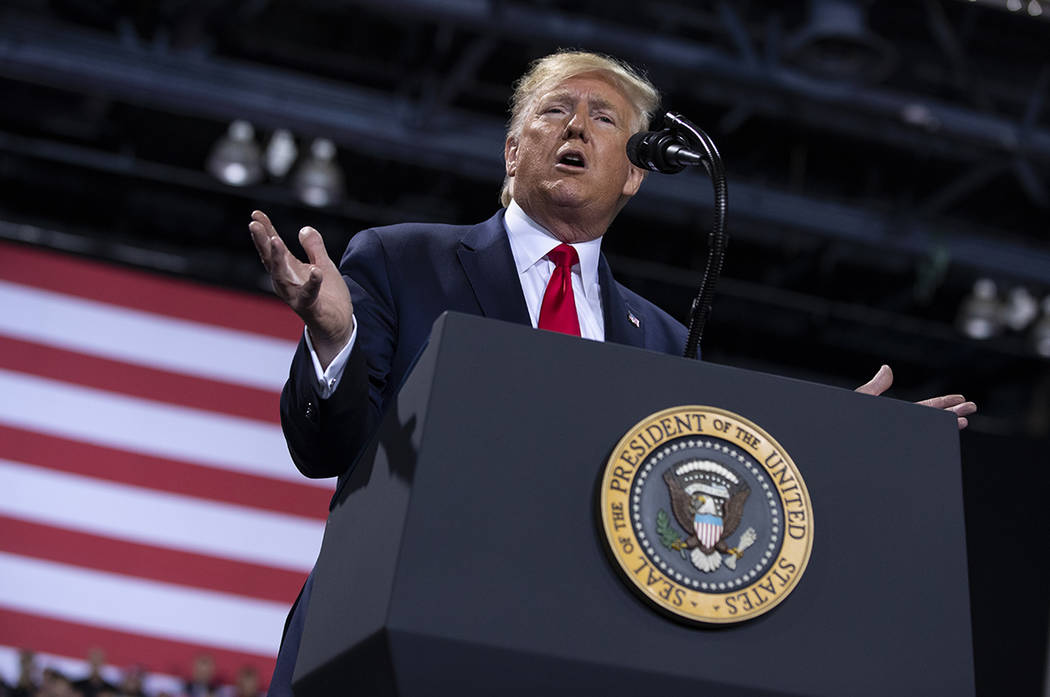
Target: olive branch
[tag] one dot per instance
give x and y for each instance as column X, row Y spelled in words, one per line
column 668, row 536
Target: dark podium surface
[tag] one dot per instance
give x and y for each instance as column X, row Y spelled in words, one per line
column 464, row 554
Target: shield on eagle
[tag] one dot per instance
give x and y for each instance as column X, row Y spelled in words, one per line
column 708, row 529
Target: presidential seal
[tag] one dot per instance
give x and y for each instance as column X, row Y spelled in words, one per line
column 706, row 515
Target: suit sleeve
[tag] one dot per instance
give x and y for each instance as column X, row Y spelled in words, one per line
column 325, row 437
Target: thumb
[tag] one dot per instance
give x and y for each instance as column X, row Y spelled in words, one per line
column 878, row 384
column 313, row 244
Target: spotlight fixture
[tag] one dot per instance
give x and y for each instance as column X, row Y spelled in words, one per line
column 979, row 315
column 837, row 43
column 235, row 159
column 1019, row 309
column 1041, row 331
column 280, row 153
column 318, row 181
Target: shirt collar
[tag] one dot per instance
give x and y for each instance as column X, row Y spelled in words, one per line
column 530, row 242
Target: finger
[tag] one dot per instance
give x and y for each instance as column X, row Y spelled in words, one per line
column 964, row 409
column 261, row 241
column 312, row 286
column 262, row 230
column 879, row 383
column 264, row 220
column 313, row 244
column 963, row 423
column 943, row 402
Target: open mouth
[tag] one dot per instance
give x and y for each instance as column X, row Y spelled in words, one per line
column 572, row 159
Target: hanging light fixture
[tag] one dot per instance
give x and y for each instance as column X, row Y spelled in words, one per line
column 836, row 42
column 319, row 181
column 1041, row 331
column 1020, row 309
column 980, row 316
column 235, row 158
column 280, row 153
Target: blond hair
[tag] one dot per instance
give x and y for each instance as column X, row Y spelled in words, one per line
column 546, row 73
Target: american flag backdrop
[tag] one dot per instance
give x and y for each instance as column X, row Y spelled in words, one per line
column 148, row 504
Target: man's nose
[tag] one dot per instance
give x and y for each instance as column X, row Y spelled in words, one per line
column 577, row 126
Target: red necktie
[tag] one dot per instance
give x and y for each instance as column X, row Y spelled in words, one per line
column 558, row 311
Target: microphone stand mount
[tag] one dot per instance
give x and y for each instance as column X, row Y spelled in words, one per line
column 679, row 130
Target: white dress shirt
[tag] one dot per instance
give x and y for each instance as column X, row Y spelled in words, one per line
column 529, row 244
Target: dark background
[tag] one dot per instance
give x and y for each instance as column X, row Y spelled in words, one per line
column 882, row 156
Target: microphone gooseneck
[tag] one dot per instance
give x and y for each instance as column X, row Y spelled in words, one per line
column 679, row 145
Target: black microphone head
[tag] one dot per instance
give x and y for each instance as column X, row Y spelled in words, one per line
column 648, row 151
column 636, row 145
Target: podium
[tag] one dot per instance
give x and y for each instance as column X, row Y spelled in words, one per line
column 464, row 554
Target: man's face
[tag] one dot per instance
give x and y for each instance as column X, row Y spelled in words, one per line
column 570, row 162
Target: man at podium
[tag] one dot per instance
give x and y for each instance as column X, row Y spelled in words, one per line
column 537, row 261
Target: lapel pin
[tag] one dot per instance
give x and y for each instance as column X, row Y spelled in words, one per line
column 634, row 320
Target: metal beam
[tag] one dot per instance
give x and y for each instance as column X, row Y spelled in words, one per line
column 951, row 130
column 454, row 141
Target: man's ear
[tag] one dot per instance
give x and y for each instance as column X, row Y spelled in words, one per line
column 510, row 155
column 635, row 177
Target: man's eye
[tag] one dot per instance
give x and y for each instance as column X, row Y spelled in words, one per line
column 606, row 119
column 554, row 110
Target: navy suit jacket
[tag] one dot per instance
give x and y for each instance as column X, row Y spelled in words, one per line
column 401, row 278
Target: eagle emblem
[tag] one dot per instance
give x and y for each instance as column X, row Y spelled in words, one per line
column 707, row 500
column 706, row 515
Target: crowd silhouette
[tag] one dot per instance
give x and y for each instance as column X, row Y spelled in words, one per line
column 36, row 678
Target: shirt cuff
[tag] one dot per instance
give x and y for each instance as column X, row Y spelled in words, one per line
column 328, row 380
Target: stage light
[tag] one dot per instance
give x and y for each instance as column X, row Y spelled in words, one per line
column 319, row 181
column 1019, row 309
column 979, row 316
column 280, row 153
column 1041, row 331
column 235, row 159
column 837, row 43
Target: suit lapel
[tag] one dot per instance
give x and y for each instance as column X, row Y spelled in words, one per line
column 484, row 252
column 623, row 325
column 488, row 264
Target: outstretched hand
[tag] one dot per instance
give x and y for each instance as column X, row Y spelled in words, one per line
column 315, row 290
column 954, row 403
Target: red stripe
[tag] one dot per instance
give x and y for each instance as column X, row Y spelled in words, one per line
column 148, row 292
column 157, row 655
column 138, row 381
column 33, row 448
column 145, row 561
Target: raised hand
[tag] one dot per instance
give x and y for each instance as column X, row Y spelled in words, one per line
column 315, row 290
column 954, row 403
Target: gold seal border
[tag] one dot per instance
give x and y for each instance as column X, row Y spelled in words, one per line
column 664, row 591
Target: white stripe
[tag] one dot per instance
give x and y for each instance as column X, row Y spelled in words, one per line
column 143, row 338
column 144, row 607
column 74, row 669
column 145, row 426
column 158, row 518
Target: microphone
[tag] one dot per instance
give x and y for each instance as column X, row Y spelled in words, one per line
column 661, row 151
column 670, row 151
